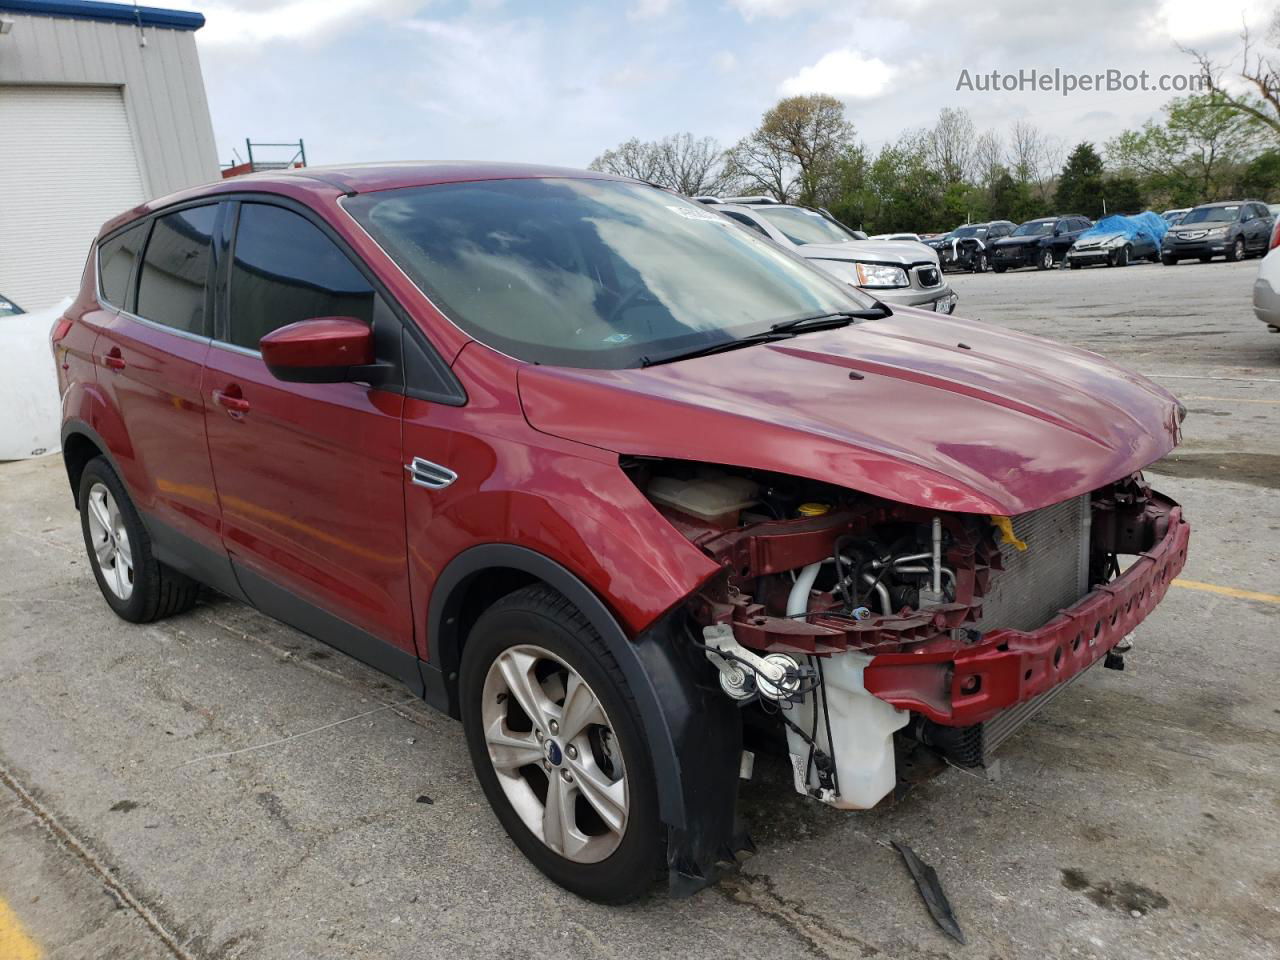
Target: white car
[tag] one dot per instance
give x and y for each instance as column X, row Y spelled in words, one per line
column 1266, row 290
column 898, row 272
column 915, row 237
column 30, row 408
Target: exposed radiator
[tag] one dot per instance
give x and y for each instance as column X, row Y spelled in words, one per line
column 1050, row 575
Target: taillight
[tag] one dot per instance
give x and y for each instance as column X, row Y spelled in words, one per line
column 1275, row 236
column 60, row 329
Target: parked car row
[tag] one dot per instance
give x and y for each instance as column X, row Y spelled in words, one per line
column 1231, row 229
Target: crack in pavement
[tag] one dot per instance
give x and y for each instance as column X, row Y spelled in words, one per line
column 823, row 939
column 62, row 836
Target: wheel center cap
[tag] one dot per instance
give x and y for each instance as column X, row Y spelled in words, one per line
column 552, row 750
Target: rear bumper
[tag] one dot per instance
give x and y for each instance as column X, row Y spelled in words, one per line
column 959, row 688
column 1266, row 303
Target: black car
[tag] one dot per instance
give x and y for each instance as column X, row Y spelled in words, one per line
column 1233, row 229
column 968, row 247
column 1040, row 243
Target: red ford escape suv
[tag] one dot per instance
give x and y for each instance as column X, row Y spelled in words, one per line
column 600, row 472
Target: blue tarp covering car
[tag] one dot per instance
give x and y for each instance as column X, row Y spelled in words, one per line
column 1117, row 240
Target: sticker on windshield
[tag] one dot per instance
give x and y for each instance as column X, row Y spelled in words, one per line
column 691, row 213
column 617, row 338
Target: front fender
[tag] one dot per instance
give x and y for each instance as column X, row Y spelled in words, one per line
column 694, row 734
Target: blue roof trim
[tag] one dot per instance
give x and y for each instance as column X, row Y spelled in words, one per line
column 109, row 12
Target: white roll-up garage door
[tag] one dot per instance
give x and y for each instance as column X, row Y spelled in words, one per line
column 67, row 164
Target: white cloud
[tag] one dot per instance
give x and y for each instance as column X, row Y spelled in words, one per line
column 776, row 9
column 842, row 73
column 649, row 9
column 1194, row 21
column 229, row 24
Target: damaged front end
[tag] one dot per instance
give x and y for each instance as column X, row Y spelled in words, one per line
column 848, row 619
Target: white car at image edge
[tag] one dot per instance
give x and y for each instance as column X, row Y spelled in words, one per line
column 30, row 408
column 1266, row 290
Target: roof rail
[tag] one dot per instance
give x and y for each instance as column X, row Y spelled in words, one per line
column 758, row 198
column 707, row 198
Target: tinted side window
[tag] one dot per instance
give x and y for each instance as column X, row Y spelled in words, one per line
column 116, row 258
column 175, row 270
column 747, row 222
column 285, row 269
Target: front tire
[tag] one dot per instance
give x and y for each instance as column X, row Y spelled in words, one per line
column 1237, row 250
column 1169, row 261
column 557, row 743
column 1046, row 259
column 1120, row 258
column 999, row 267
column 137, row 586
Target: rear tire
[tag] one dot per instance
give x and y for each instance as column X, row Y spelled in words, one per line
column 603, row 843
column 137, row 586
column 1169, row 261
column 1076, row 264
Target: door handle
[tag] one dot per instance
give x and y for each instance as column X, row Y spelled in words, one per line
column 113, row 360
column 231, row 400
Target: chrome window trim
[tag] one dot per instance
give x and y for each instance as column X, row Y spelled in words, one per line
column 234, row 347
column 153, row 324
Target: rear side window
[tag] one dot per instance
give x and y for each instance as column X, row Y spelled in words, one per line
column 116, row 260
column 175, row 270
column 286, row 269
column 747, row 222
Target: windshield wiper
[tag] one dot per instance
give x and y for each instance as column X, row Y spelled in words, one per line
column 720, row 347
column 783, row 330
column 834, row 318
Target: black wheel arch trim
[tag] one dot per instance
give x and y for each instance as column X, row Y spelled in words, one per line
column 694, row 733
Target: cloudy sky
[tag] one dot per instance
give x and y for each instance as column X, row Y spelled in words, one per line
column 559, row 81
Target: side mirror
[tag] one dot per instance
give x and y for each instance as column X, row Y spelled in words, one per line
column 1057, row 231
column 321, row 350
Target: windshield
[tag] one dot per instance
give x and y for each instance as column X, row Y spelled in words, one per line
column 591, row 273
column 1211, row 215
column 8, row 308
column 802, row 226
column 1034, row 228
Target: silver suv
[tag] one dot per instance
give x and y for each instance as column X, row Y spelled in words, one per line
column 896, row 271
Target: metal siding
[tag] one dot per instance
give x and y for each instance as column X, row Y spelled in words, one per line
column 172, row 130
column 71, row 168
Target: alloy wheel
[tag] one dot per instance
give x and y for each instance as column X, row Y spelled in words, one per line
column 1046, row 259
column 111, row 549
column 555, row 753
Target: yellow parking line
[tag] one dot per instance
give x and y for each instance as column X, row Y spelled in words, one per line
column 1227, row 591
column 14, row 942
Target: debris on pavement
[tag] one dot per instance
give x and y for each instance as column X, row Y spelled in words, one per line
column 930, row 888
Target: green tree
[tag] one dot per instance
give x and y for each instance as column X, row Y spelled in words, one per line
column 1261, row 178
column 796, row 148
column 1123, row 194
column 1080, row 185
column 1194, row 155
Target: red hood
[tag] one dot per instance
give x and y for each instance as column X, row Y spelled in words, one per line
column 1005, row 424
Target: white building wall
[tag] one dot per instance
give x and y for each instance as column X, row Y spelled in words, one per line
column 163, row 90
